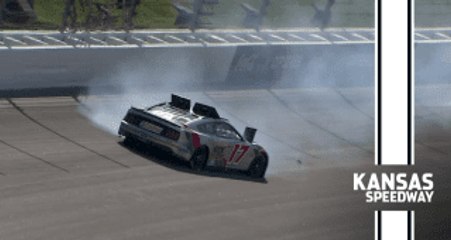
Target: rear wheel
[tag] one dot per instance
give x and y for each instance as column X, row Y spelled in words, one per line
column 199, row 159
column 257, row 169
column 132, row 143
column 129, row 142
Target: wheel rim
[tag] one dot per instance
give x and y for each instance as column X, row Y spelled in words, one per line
column 258, row 168
column 199, row 160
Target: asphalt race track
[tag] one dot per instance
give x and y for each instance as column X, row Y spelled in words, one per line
column 432, row 141
column 63, row 177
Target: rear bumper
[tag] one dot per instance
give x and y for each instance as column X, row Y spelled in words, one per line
column 176, row 148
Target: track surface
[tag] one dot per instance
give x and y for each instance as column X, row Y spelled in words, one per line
column 432, row 153
column 61, row 176
column 64, row 178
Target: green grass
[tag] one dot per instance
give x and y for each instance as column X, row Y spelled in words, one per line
column 282, row 13
column 49, row 12
column 151, row 14
column 298, row 13
column 155, row 14
column 160, row 14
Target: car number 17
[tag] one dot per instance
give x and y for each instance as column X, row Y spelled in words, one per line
column 237, row 153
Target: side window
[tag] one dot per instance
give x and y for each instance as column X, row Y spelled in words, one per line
column 207, row 128
column 224, row 130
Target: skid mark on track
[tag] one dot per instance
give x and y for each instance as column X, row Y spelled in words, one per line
column 264, row 133
column 421, row 104
column 431, row 117
column 432, row 148
column 64, row 137
column 352, row 105
column 82, row 104
column 76, row 99
column 286, row 105
column 34, row 157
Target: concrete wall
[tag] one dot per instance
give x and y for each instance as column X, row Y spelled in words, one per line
column 257, row 66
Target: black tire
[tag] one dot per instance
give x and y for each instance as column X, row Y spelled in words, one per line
column 128, row 141
column 258, row 167
column 131, row 142
column 199, row 159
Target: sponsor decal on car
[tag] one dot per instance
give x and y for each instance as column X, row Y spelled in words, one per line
column 151, row 127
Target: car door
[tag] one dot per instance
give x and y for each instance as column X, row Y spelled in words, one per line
column 218, row 146
column 236, row 150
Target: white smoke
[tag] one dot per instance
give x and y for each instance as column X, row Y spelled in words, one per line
column 150, row 78
column 142, row 81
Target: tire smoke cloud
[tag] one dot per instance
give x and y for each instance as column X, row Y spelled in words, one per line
column 292, row 112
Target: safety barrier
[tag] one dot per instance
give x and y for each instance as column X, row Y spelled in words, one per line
column 183, row 38
column 233, row 58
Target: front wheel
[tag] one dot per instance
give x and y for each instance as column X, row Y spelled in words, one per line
column 258, row 167
column 199, row 159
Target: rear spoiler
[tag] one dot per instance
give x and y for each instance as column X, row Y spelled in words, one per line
column 180, row 102
column 199, row 109
column 206, row 111
column 249, row 134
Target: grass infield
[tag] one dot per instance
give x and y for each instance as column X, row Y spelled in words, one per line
column 228, row 14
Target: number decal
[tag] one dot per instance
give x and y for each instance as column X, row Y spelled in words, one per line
column 243, row 149
column 235, row 148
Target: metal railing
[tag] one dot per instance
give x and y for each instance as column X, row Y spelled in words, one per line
column 435, row 35
column 183, row 38
column 203, row 38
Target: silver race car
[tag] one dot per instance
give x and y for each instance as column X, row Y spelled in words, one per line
column 199, row 136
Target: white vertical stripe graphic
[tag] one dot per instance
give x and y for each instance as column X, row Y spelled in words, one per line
column 394, row 87
column 412, row 90
column 376, row 225
column 376, row 82
column 394, row 225
column 412, row 224
column 394, row 115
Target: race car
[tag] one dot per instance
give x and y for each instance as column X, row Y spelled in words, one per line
column 199, row 136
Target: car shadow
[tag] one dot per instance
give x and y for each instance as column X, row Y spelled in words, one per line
column 166, row 159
